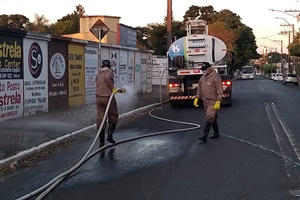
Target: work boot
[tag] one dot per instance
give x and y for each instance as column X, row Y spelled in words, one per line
column 111, row 130
column 101, row 138
column 216, row 130
column 205, row 133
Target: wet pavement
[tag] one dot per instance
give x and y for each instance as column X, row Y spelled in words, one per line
column 21, row 137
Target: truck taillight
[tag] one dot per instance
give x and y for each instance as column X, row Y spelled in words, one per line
column 226, row 83
column 172, row 85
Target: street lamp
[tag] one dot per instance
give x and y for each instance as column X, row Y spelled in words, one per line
column 295, row 16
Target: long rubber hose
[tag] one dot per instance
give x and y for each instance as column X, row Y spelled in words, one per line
column 59, row 178
column 54, row 182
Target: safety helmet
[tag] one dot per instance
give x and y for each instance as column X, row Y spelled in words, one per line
column 106, row 63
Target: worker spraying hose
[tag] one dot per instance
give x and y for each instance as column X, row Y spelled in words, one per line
column 104, row 88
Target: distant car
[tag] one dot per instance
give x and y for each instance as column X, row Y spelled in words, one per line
column 258, row 73
column 290, row 78
column 272, row 76
column 278, row 77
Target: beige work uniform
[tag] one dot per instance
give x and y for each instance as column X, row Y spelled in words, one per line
column 210, row 90
column 104, row 85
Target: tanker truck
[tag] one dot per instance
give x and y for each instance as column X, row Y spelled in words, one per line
column 185, row 57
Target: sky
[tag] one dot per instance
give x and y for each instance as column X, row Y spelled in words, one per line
column 255, row 14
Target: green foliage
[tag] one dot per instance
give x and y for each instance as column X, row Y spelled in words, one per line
column 14, row 21
column 40, row 24
column 245, row 46
column 294, row 49
column 269, row 68
column 70, row 23
column 274, row 57
column 195, row 12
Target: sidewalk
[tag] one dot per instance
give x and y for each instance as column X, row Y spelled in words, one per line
column 21, row 137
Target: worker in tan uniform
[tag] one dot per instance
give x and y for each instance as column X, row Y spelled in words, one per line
column 104, row 89
column 210, row 90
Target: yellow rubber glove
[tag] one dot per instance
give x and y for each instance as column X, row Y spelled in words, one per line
column 114, row 90
column 196, row 102
column 217, row 105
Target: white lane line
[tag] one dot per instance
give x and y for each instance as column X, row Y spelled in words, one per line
column 287, row 130
column 261, row 88
column 280, row 140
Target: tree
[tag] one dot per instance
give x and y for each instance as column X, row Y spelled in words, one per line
column 274, row 57
column 245, row 46
column 40, row 24
column 154, row 37
column 14, row 21
column 196, row 12
column 219, row 29
column 232, row 20
column 70, row 23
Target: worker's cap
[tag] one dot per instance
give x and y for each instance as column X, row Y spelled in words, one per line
column 205, row 65
column 105, row 63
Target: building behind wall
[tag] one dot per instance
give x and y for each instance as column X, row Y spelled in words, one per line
column 118, row 34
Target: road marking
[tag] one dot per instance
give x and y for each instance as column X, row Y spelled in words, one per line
column 286, row 141
column 287, row 130
column 261, row 88
column 283, row 146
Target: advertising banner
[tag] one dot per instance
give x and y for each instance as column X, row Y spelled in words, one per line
column 91, row 70
column 137, row 72
column 76, row 74
column 144, row 72
column 114, row 60
column 58, row 76
column 11, row 77
column 35, row 76
column 149, row 72
column 130, row 71
column 159, row 70
column 123, row 68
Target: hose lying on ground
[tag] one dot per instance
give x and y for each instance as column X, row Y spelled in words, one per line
column 54, row 182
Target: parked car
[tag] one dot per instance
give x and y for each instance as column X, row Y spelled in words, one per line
column 291, row 78
column 278, row 77
column 272, row 76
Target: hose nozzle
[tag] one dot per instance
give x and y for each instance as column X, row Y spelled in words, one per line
column 121, row 90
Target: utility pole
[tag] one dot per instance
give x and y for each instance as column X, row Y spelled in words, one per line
column 169, row 24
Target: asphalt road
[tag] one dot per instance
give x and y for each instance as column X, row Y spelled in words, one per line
column 256, row 157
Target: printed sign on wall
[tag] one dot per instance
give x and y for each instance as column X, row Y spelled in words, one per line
column 76, row 75
column 35, row 76
column 114, row 60
column 123, row 68
column 58, row 76
column 144, row 72
column 91, row 70
column 137, row 72
column 159, row 70
column 149, row 72
column 11, row 77
column 130, row 67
